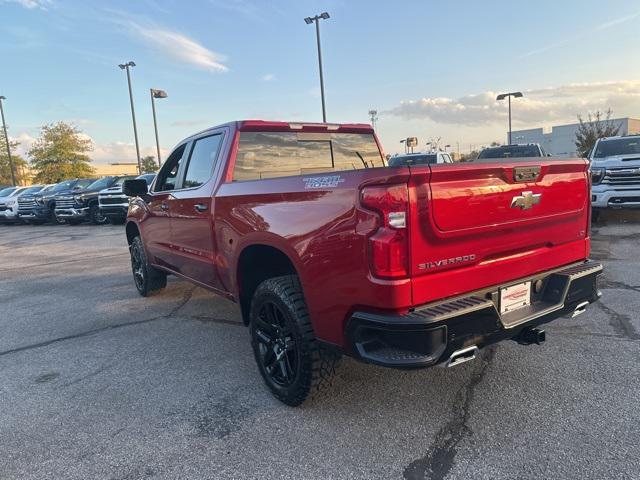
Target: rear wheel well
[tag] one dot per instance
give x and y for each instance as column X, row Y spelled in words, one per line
column 132, row 232
column 258, row 263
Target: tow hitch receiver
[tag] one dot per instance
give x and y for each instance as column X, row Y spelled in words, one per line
column 530, row 335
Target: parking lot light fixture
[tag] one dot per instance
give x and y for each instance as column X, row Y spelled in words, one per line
column 127, row 66
column 6, row 139
column 155, row 93
column 502, row 96
column 309, row 21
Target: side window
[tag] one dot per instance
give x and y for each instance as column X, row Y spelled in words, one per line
column 203, row 157
column 168, row 175
column 447, row 158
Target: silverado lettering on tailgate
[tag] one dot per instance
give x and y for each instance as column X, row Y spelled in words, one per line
column 446, row 261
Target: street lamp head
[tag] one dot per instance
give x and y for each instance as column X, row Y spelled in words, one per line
column 125, row 65
column 502, row 96
column 158, row 93
column 2, row 97
column 324, row 15
column 308, row 20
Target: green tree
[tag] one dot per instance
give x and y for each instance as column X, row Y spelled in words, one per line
column 19, row 165
column 60, row 153
column 598, row 125
column 149, row 164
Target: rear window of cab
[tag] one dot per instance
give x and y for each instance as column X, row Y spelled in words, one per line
column 283, row 154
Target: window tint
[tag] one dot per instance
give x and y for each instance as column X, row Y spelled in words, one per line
column 168, row 175
column 203, row 157
column 412, row 159
column 510, row 151
column 282, row 154
column 623, row 146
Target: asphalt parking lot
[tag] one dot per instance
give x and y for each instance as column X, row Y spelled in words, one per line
column 97, row 382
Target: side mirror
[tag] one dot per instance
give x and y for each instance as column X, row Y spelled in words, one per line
column 135, row 188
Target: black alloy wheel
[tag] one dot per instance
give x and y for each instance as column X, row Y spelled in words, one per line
column 148, row 279
column 276, row 345
column 292, row 362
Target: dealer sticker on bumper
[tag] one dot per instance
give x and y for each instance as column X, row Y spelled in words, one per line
column 515, row 297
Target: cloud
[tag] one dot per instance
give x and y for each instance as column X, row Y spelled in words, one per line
column 561, row 103
column 102, row 153
column 268, row 77
column 617, row 21
column 179, row 47
column 118, row 151
column 31, row 4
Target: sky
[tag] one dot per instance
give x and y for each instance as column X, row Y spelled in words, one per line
column 430, row 68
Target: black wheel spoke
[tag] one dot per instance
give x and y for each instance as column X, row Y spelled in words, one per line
column 276, row 346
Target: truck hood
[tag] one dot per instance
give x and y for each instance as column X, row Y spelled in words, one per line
column 616, row 161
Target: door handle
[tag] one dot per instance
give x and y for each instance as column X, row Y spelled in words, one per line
column 200, row 207
column 164, row 206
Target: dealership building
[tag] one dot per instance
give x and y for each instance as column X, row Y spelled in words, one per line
column 559, row 140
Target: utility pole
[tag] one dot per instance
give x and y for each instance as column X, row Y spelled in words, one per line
column 502, row 96
column 308, row 21
column 126, row 66
column 6, row 139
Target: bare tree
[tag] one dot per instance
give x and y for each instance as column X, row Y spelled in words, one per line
column 598, row 125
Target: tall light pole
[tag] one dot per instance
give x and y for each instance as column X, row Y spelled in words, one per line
column 155, row 93
column 502, row 96
column 6, row 139
column 126, row 66
column 373, row 115
column 309, row 21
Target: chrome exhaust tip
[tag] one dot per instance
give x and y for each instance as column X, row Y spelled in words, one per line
column 580, row 308
column 461, row 356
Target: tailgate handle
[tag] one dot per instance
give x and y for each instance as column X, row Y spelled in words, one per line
column 526, row 174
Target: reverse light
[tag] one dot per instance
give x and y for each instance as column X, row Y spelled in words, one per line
column 388, row 246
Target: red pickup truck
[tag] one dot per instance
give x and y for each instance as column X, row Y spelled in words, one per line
column 328, row 250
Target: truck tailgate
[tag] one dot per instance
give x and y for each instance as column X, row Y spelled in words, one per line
column 482, row 224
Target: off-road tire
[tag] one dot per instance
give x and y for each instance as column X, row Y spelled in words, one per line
column 315, row 363
column 147, row 279
column 95, row 217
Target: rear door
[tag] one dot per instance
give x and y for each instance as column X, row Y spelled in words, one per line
column 481, row 224
column 191, row 210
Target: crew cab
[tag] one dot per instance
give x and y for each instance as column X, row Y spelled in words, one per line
column 426, row 158
column 615, row 173
column 27, row 204
column 76, row 207
column 524, row 150
column 44, row 202
column 114, row 204
column 327, row 250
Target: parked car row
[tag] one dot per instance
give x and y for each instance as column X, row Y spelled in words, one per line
column 72, row 201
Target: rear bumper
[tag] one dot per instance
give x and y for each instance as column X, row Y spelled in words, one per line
column 431, row 333
column 611, row 198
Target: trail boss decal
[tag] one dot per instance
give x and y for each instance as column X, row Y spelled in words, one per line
column 446, row 262
column 331, row 181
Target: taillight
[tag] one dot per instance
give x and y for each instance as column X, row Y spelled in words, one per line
column 388, row 246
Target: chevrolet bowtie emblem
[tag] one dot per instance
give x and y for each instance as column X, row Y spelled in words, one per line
column 526, row 200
